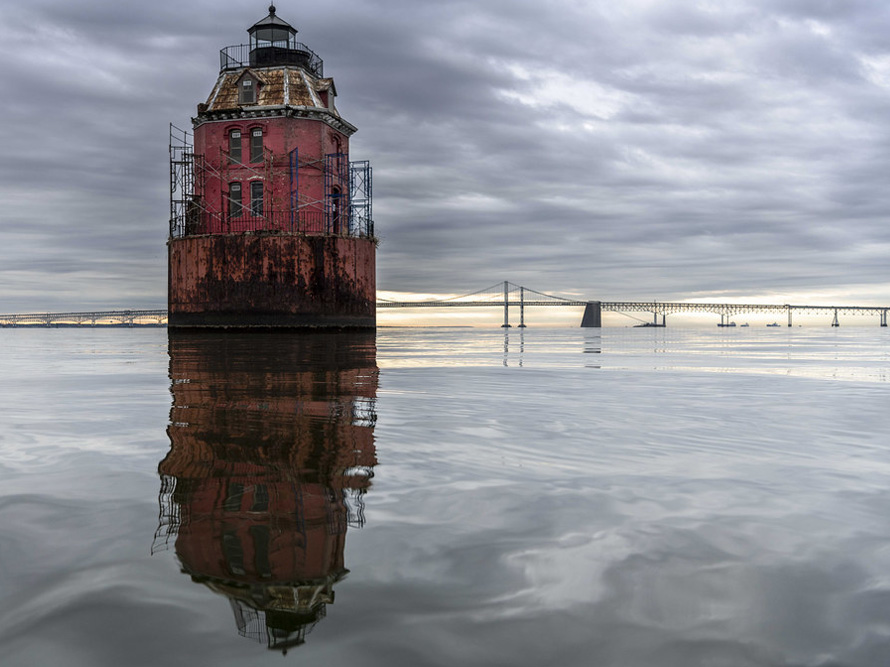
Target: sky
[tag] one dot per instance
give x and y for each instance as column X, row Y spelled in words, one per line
column 675, row 150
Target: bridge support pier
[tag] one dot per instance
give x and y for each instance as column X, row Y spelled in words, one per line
column 522, row 307
column 506, row 324
column 884, row 317
column 593, row 315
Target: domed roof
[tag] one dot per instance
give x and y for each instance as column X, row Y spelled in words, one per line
column 272, row 28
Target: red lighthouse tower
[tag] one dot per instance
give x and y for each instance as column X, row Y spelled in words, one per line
column 270, row 222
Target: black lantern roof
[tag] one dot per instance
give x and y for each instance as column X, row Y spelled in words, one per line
column 273, row 43
column 272, row 30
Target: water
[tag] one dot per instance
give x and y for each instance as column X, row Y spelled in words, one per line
column 439, row 497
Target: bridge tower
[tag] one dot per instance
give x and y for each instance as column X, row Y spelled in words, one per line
column 270, row 222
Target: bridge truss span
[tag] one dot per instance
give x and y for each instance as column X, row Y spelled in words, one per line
column 148, row 317
column 508, row 295
column 504, row 295
column 728, row 310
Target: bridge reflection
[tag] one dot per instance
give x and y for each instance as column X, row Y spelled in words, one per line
column 271, row 452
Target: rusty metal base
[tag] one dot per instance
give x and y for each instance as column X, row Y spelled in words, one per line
column 271, row 281
column 255, row 320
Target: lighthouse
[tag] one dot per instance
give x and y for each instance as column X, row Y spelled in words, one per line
column 270, row 222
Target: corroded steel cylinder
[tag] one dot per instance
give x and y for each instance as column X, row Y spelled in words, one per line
column 271, row 281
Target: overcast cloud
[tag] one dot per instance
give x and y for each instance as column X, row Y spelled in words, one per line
column 641, row 149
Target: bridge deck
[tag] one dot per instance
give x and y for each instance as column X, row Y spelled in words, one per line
column 660, row 307
column 159, row 316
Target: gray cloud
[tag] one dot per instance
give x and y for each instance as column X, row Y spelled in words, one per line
column 617, row 150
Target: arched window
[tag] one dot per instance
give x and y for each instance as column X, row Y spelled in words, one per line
column 256, row 198
column 235, row 146
column 234, row 200
column 256, row 145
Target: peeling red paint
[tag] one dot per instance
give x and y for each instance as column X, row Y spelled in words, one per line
column 313, row 139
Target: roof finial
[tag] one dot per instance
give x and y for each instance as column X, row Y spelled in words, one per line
column 272, row 10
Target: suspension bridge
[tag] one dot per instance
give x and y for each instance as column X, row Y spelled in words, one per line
column 509, row 295
column 506, row 295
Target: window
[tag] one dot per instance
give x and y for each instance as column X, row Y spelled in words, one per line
column 247, row 91
column 234, row 200
column 260, row 499
column 256, row 198
column 262, row 540
column 235, row 146
column 234, row 493
column 233, row 552
column 256, row 145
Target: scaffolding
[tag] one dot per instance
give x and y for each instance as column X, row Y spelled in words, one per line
column 336, row 194
column 182, row 180
column 196, row 208
column 360, row 221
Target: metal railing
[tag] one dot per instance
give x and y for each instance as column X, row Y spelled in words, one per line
column 197, row 222
column 297, row 54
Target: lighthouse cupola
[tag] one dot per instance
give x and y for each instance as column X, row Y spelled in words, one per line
column 273, row 41
column 272, row 31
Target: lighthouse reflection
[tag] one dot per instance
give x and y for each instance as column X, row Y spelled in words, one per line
column 271, row 452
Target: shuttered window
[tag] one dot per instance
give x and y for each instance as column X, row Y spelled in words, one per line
column 256, row 145
column 234, row 200
column 247, row 91
column 235, row 146
column 256, row 198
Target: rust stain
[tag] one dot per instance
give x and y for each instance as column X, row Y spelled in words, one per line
column 272, row 281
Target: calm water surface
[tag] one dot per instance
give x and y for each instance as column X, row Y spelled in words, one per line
column 445, row 496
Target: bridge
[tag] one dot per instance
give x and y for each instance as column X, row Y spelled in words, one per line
column 504, row 295
column 509, row 295
column 125, row 318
